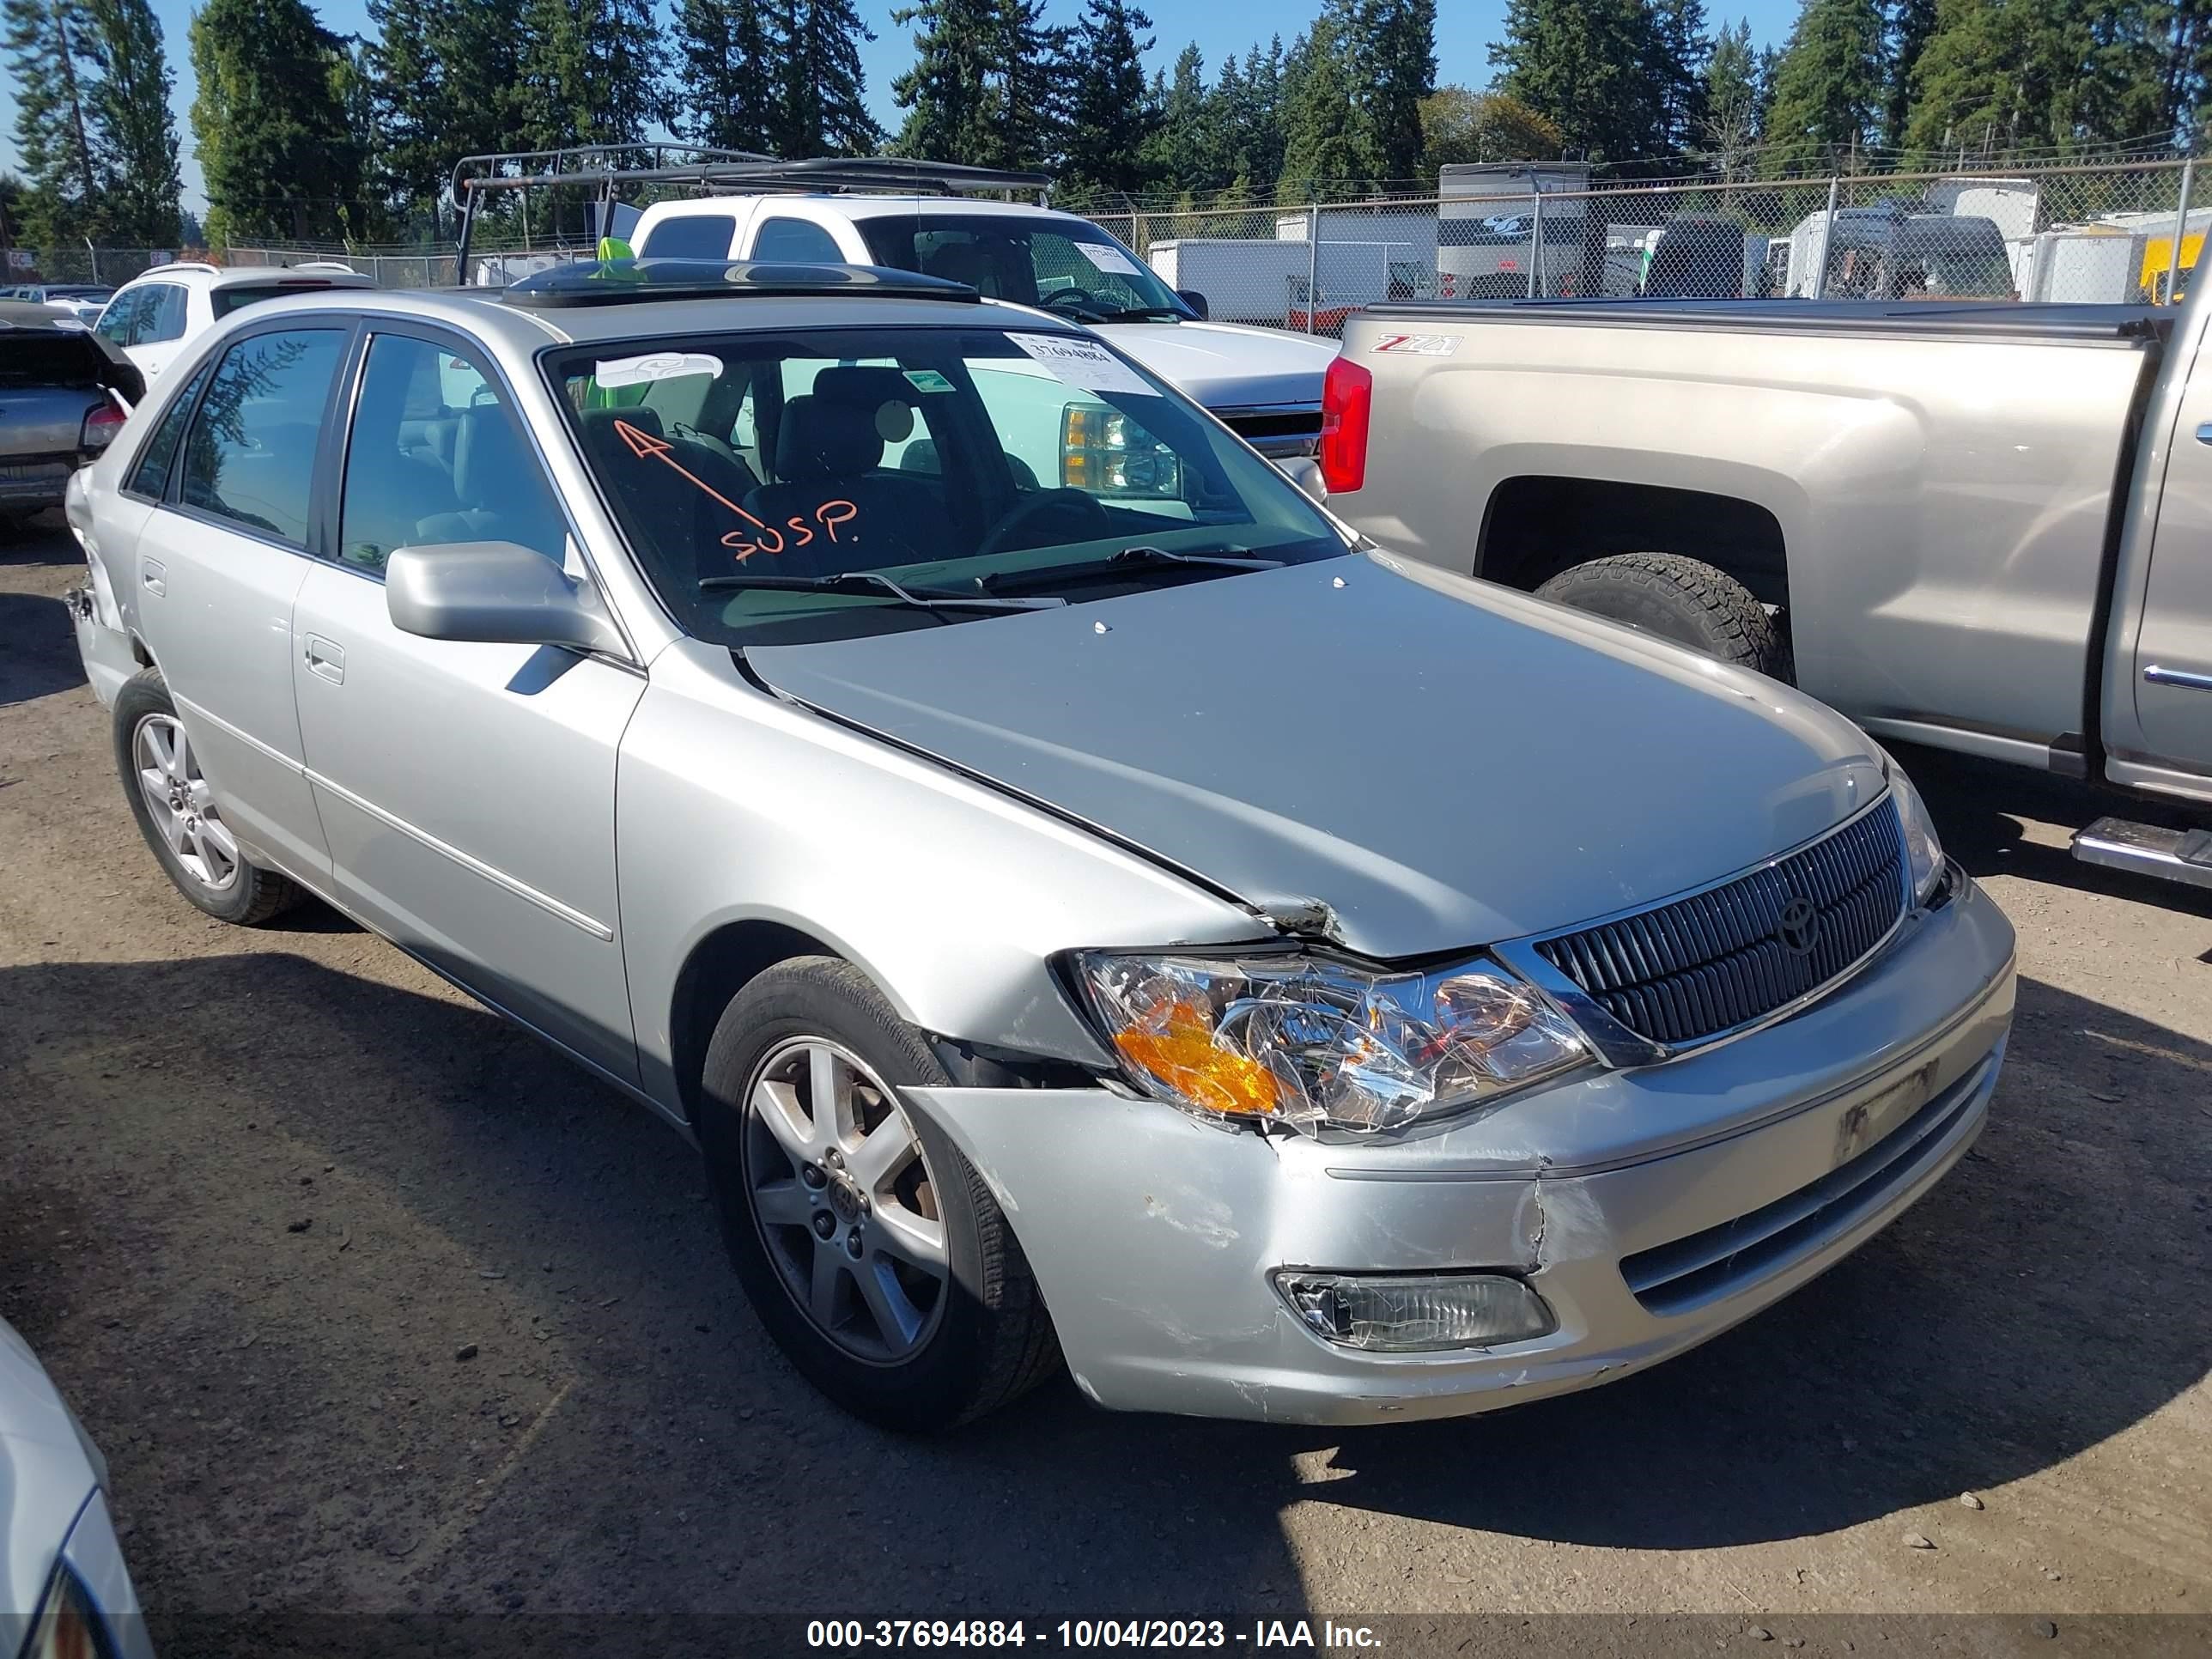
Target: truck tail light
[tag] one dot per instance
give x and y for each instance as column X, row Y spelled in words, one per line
column 1346, row 391
column 102, row 423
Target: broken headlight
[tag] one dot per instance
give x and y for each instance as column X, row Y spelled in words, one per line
column 1317, row 1044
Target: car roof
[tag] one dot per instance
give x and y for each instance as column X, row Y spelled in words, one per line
column 231, row 275
column 483, row 313
column 872, row 206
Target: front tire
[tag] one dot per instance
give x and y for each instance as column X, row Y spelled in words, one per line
column 178, row 814
column 870, row 1247
column 1677, row 599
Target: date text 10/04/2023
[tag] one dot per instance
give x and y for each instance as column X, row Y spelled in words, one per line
column 854, row 1634
column 759, row 536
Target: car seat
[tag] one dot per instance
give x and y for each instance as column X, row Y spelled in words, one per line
column 829, row 447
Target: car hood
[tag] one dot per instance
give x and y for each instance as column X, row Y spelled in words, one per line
column 1415, row 761
column 1223, row 366
column 47, row 1471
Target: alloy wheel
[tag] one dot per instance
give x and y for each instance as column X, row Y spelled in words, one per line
column 181, row 804
column 844, row 1200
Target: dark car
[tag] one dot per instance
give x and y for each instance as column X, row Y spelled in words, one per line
column 59, row 387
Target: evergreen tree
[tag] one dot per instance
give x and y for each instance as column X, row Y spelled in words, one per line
column 823, row 110
column 588, row 71
column 1586, row 66
column 1734, row 101
column 49, row 49
column 133, row 133
column 1111, row 118
column 1997, row 75
column 1911, row 23
column 1182, row 155
column 1830, row 86
column 413, row 153
column 1325, row 143
column 1259, row 142
column 273, row 142
column 1397, row 48
column 1679, row 51
column 722, row 98
column 947, row 94
column 1029, row 61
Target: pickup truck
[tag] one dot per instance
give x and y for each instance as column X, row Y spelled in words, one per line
column 1984, row 527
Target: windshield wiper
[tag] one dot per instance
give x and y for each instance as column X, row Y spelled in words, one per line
column 920, row 598
column 1142, row 553
column 1141, row 314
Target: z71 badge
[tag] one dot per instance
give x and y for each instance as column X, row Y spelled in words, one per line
column 1422, row 345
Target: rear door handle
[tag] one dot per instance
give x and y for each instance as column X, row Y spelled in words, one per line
column 2204, row 432
column 155, row 575
column 326, row 658
column 2158, row 675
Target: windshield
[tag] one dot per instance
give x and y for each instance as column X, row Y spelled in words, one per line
column 1059, row 265
column 960, row 463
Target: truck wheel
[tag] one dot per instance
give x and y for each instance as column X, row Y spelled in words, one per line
column 1677, row 599
column 870, row 1247
column 178, row 815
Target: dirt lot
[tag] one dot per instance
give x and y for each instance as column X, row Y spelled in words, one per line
column 288, row 1424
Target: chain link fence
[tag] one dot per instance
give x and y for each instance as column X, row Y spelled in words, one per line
column 2116, row 234
column 2106, row 235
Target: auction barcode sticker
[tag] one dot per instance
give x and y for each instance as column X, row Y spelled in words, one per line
column 1083, row 363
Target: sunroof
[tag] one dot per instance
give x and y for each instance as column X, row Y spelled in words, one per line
column 622, row 282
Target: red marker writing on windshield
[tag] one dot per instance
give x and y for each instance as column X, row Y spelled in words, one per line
column 643, row 444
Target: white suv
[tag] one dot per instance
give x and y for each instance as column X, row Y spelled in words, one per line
column 152, row 316
column 1265, row 383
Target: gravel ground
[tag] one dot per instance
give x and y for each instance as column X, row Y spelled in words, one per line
column 258, row 1189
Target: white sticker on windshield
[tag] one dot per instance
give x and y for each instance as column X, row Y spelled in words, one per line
column 655, row 365
column 1107, row 257
column 1083, row 363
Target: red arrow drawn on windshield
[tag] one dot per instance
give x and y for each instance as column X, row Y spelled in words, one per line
column 643, row 444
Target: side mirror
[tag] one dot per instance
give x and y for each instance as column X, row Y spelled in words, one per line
column 1303, row 471
column 1196, row 301
column 495, row 593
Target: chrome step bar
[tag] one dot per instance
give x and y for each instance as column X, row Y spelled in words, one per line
column 2183, row 856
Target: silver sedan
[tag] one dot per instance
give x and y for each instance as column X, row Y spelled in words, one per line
column 1088, row 907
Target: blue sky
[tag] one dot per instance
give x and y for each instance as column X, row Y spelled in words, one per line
column 1464, row 31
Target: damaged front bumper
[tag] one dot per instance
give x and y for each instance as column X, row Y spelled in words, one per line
column 1652, row 1209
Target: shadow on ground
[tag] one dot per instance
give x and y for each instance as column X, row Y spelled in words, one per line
column 658, row 1453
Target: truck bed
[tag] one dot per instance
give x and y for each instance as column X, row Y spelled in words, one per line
column 2000, row 319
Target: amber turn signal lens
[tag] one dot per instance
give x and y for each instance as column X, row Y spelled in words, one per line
column 1176, row 1046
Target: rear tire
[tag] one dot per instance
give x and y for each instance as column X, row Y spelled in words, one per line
column 870, row 1247
column 178, row 815
column 1679, row 599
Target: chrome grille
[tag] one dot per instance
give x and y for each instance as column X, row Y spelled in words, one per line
column 1705, row 964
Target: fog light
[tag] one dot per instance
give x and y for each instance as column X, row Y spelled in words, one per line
column 1416, row 1312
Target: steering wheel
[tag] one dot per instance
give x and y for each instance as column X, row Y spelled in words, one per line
column 1044, row 502
column 1082, row 294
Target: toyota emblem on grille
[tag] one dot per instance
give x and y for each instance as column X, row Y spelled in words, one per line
column 1800, row 926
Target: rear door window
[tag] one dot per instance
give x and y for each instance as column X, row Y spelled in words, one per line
column 150, row 474
column 249, row 454
column 122, row 314
column 690, row 236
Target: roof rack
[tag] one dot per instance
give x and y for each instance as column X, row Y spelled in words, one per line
column 634, row 282
column 722, row 171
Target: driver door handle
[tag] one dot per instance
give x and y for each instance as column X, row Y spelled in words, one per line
column 326, row 657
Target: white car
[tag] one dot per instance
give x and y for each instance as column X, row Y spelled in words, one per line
column 151, row 317
column 1263, row 383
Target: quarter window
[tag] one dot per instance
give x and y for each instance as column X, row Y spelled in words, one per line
column 250, row 456
column 151, row 473
column 436, row 456
column 794, row 241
